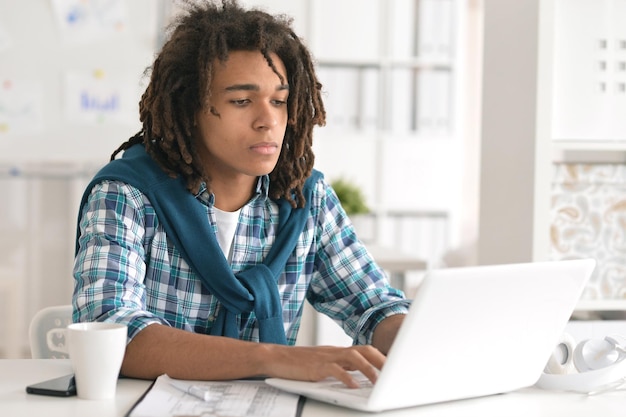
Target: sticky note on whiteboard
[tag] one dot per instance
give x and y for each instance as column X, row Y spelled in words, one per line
column 95, row 97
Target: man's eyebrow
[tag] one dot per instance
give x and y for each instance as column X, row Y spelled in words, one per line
column 253, row 87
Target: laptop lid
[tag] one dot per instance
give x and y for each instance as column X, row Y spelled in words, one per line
column 470, row 332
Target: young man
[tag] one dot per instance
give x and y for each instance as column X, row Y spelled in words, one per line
column 212, row 230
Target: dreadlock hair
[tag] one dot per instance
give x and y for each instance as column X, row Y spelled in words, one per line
column 179, row 87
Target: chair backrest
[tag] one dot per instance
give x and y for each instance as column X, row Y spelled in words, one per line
column 46, row 332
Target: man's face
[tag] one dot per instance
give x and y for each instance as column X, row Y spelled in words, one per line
column 241, row 131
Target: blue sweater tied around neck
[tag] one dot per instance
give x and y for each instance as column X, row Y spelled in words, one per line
column 186, row 224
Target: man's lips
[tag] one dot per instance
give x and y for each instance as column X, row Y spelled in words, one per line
column 265, row 148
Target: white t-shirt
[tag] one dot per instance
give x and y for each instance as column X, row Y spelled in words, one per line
column 226, row 226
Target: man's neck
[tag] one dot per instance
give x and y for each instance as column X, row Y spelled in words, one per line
column 231, row 195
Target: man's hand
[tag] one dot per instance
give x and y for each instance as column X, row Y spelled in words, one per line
column 319, row 362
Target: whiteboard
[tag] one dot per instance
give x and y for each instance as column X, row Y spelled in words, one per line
column 70, row 92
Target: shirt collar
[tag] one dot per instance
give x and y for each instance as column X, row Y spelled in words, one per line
column 261, row 191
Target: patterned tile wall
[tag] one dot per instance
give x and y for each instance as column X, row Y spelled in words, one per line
column 588, row 219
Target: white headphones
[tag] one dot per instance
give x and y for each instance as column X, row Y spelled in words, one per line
column 590, row 365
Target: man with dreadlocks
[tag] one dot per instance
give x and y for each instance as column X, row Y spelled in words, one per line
column 209, row 233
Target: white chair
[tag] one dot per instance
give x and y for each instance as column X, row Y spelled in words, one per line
column 46, row 332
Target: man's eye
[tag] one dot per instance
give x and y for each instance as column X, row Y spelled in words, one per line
column 279, row 102
column 240, row 102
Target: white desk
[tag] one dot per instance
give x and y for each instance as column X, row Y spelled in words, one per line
column 15, row 374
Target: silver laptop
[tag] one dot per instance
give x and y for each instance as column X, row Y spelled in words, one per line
column 470, row 332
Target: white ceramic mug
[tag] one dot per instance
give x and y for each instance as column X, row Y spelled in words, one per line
column 96, row 350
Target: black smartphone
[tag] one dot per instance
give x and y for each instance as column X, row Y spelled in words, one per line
column 64, row 386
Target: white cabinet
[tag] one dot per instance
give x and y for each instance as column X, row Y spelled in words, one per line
column 554, row 138
column 589, row 71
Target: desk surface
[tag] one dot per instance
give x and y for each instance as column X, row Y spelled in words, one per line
column 15, row 374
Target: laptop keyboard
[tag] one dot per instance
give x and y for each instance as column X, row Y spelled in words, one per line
column 364, row 390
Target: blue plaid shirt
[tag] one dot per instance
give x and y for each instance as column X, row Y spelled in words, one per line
column 128, row 271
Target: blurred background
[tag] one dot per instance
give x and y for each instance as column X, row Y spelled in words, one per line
column 474, row 132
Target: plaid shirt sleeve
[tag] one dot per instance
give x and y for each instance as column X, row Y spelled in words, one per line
column 348, row 285
column 110, row 267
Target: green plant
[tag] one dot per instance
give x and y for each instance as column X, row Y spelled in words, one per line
column 350, row 196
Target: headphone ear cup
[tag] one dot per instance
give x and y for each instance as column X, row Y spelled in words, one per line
column 595, row 354
column 562, row 359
